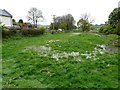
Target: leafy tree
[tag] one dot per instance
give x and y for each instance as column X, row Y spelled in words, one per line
column 114, row 17
column 114, row 20
column 51, row 26
column 64, row 22
column 84, row 23
column 35, row 15
column 20, row 21
column 63, row 25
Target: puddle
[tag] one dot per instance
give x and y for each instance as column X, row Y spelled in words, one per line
column 99, row 49
column 38, row 48
column 47, row 51
column 76, row 33
column 54, row 54
column 51, row 41
column 112, row 49
column 58, row 56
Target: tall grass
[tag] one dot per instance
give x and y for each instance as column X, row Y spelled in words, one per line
column 30, row 70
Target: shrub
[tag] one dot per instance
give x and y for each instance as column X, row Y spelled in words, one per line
column 106, row 29
column 2, row 27
column 52, row 31
column 33, row 32
column 117, row 42
column 42, row 30
column 8, row 33
column 29, row 32
column 118, row 28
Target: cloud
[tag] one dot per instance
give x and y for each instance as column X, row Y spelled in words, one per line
column 98, row 9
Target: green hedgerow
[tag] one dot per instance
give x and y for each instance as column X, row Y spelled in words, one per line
column 33, row 32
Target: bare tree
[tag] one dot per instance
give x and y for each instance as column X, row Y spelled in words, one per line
column 87, row 16
column 35, row 15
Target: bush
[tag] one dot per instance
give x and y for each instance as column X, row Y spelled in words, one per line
column 8, row 33
column 106, row 29
column 52, row 31
column 33, row 32
column 29, row 32
column 25, row 32
column 118, row 28
column 42, row 30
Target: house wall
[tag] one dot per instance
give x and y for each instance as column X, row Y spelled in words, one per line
column 6, row 20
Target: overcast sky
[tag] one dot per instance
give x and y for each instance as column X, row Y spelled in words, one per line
column 99, row 10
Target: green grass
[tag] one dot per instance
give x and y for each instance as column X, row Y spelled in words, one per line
column 30, row 70
column 0, row 63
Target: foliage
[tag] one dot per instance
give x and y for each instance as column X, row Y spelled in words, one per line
column 25, row 32
column 106, row 29
column 5, row 32
column 35, row 15
column 65, row 22
column 8, row 33
column 118, row 28
column 114, row 17
column 32, row 31
column 22, row 69
column 84, row 23
column 20, row 23
column 2, row 26
column 114, row 21
column 14, row 22
column 42, row 30
column 51, row 26
column 52, row 31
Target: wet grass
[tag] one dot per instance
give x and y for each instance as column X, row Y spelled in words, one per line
column 30, row 70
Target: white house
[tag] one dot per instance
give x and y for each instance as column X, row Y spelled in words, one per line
column 6, row 18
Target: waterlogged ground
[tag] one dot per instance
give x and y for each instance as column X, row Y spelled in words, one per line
column 69, row 60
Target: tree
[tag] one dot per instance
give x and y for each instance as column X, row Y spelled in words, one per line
column 69, row 19
column 114, row 17
column 51, row 26
column 20, row 21
column 65, row 22
column 84, row 23
column 14, row 22
column 114, row 21
column 35, row 15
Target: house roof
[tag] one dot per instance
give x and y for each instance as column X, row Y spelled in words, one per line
column 5, row 13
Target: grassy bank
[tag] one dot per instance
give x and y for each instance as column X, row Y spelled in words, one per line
column 68, row 60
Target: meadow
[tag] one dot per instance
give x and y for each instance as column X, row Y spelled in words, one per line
column 62, row 60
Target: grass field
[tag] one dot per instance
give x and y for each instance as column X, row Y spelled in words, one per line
column 64, row 60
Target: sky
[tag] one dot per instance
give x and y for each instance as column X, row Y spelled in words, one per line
column 98, row 10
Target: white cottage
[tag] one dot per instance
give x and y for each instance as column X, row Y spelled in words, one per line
column 6, row 18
